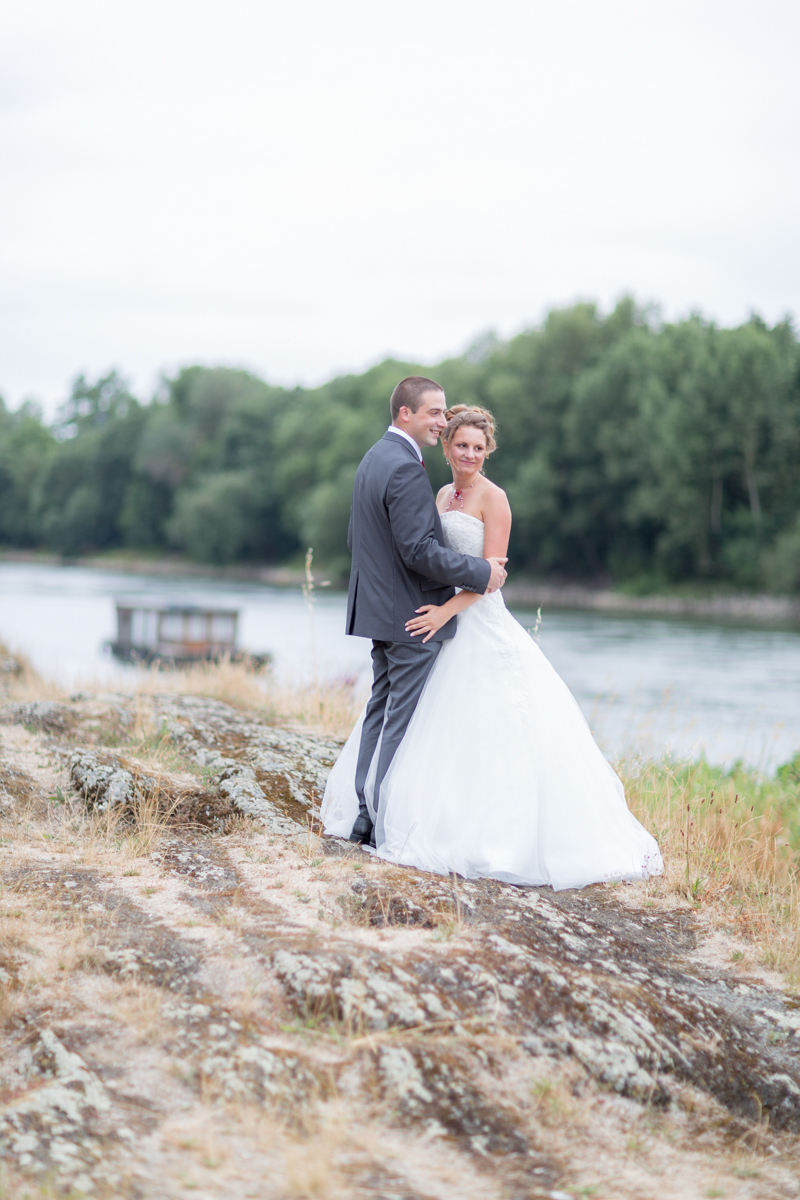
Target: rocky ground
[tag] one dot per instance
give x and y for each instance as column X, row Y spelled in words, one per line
column 201, row 993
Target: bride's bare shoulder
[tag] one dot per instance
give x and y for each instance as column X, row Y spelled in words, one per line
column 493, row 498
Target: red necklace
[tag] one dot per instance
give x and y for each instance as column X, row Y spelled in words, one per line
column 458, row 494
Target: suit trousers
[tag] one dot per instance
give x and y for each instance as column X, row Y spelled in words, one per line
column 399, row 672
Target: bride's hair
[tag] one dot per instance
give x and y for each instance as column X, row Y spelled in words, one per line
column 470, row 414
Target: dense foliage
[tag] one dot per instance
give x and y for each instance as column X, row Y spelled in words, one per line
column 629, row 449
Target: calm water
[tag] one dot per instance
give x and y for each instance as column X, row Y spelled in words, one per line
column 646, row 685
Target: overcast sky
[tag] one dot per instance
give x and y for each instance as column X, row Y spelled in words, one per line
column 303, row 188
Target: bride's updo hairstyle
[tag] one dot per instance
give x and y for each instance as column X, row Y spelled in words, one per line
column 470, row 414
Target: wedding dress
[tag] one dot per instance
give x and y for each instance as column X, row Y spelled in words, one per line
column 498, row 775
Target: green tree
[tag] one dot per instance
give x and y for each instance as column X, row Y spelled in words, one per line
column 25, row 447
column 215, row 520
column 629, row 449
column 213, row 443
column 548, row 468
column 320, row 438
column 78, row 498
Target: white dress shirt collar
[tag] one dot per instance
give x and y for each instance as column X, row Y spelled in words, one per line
column 402, row 433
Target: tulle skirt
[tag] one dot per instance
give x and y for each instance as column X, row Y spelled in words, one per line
column 498, row 775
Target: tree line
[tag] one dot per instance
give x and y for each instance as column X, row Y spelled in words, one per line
column 632, row 450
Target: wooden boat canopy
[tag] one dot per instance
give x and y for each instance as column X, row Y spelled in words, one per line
column 175, row 632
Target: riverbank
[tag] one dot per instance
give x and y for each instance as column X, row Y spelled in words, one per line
column 519, row 592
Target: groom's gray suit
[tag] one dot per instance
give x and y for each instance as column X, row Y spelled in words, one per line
column 399, row 564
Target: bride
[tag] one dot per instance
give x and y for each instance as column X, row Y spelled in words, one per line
column 498, row 775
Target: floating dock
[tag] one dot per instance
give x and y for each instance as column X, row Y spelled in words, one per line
column 177, row 634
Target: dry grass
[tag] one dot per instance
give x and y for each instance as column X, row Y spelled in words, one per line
column 138, row 828
column 730, row 843
column 43, row 944
column 554, row 1103
column 19, row 681
column 310, row 1169
column 151, row 745
column 295, row 1159
column 138, row 1006
column 329, row 705
column 235, row 683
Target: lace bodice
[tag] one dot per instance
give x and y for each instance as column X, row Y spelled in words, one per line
column 463, row 533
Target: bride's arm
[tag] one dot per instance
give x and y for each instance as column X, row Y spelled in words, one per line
column 496, row 515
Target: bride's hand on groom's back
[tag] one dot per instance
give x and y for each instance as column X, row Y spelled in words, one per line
column 498, row 575
column 431, row 619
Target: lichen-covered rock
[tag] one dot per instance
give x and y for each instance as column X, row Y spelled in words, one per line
column 237, row 1063
column 46, row 715
column 362, row 992
column 438, row 1090
column 437, row 1006
column 103, row 782
column 63, row 1122
column 275, row 776
column 109, row 783
column 384, row 906
column 566, row 987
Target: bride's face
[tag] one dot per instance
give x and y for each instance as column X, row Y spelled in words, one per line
column 466, row 450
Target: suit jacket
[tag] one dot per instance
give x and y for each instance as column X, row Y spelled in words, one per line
column 395, row 537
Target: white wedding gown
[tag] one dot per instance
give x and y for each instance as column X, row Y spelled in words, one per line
column 498, row 775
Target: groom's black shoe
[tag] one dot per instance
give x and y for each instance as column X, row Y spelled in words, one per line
column 363, row 831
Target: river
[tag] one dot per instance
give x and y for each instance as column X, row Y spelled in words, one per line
column 647, row 686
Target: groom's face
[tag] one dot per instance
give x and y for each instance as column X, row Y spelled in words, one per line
column 428, row 421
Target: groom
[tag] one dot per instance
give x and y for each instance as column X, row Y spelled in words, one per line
column 399, row 564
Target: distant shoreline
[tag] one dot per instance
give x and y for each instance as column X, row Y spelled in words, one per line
column 169, row 568
column 734, row 606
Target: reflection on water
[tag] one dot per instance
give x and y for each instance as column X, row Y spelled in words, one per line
column 645, row 685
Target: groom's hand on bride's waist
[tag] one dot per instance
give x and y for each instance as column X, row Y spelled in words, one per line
column 498, row 575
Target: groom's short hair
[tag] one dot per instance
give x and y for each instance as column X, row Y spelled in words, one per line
column 409, row 393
